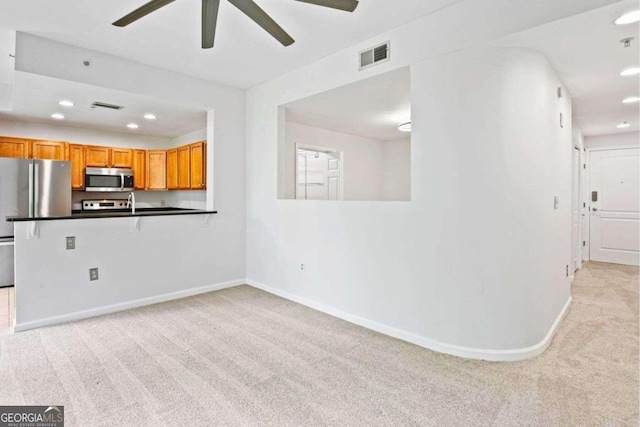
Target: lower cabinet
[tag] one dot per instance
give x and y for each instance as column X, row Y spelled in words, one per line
column 156, row 172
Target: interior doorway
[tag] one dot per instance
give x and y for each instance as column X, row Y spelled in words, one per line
column 319, row 173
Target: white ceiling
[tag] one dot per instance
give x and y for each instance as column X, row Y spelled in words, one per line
column 244, row 55
column 586, row 52
column 371, row 108
column 36, row 97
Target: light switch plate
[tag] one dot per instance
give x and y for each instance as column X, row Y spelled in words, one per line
column 71, row 242
column 93, row 274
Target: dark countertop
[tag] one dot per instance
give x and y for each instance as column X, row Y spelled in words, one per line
column 165, row 211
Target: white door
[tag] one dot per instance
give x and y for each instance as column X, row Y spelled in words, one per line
column 334, row 176
column 614, row 181
column 575, row 212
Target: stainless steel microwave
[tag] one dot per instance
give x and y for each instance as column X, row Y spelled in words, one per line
column 108, row 179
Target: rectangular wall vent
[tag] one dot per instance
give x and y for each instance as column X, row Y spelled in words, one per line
column 375, row 55
column 105, row 105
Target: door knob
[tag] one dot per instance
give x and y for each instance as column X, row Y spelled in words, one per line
column 594, row 209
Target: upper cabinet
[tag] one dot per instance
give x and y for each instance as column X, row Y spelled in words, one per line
column 156, row 173
column 198, row 172
column 139, row 169
column 121, row 158
column 49, row 150
column 76, row 155
column 97, row 157
column 172, row 169
column 180, row 168
column 15, row 147
column 184, row 167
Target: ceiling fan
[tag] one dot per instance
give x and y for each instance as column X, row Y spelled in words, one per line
column 248, row 7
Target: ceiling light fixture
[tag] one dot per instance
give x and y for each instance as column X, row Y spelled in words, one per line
column 57, row 116
column 132, row 126
column 628, row 18
column 149, row 116
column 631, row 99
column 631, row 71
column 405, row 127
column 623, row 125
column 66, row 103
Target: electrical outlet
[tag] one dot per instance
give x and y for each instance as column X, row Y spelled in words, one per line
column 71, row 242
column 302, row 267
column 93, row 274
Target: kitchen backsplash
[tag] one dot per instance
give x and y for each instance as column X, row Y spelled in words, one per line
column 150, row 199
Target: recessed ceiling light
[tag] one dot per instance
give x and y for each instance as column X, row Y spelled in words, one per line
column 66, row 103
column 632, row 71
column 57, row 116
column 631, row 99
column 628, row 18
column 623, row 125
column 132, row 126
column 149, row 116
column 404, row 127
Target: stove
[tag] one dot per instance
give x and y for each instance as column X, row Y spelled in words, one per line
column 104, row 204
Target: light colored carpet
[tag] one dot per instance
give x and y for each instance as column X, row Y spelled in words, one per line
column 244, row 357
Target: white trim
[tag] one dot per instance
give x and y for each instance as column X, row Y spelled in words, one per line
column 510, row 355
column 79, row 315
column 615, row 147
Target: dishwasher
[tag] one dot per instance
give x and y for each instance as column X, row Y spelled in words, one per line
column 6, row 262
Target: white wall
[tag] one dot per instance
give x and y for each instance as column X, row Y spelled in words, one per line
column 20, row 129
column 168, row 257
column 475, row 264
column 373, row 169
column 362, row 160
column 396, row 170
column 614, row 140
column 200, row 256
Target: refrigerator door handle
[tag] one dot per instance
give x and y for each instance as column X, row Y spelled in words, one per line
column 36, row 189
column 31, row 189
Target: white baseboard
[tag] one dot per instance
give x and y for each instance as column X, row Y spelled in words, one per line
column 510, row 355
column 79, row 315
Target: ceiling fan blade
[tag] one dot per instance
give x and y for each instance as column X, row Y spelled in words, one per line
column 253, row 11
column 142, row 11
column 346, row 5
column 209, row 21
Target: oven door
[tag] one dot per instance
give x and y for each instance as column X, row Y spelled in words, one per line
column 108, row 179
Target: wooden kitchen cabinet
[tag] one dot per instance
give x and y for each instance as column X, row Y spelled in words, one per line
column 139, row 169
column 198, row 170
column 172, row 169
column 121, row 158
column 76, row 155
column 184, row 167
column 15, row 147
column 96, row 156
column 49, row 150
column 156, row 166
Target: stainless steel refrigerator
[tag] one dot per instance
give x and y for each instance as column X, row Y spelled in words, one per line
column 29, row 188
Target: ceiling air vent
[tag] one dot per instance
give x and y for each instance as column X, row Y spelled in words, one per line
column 105, row 105
column 375, row 55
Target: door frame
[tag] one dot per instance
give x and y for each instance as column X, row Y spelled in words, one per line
column 320, row 149
column 589, row 150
